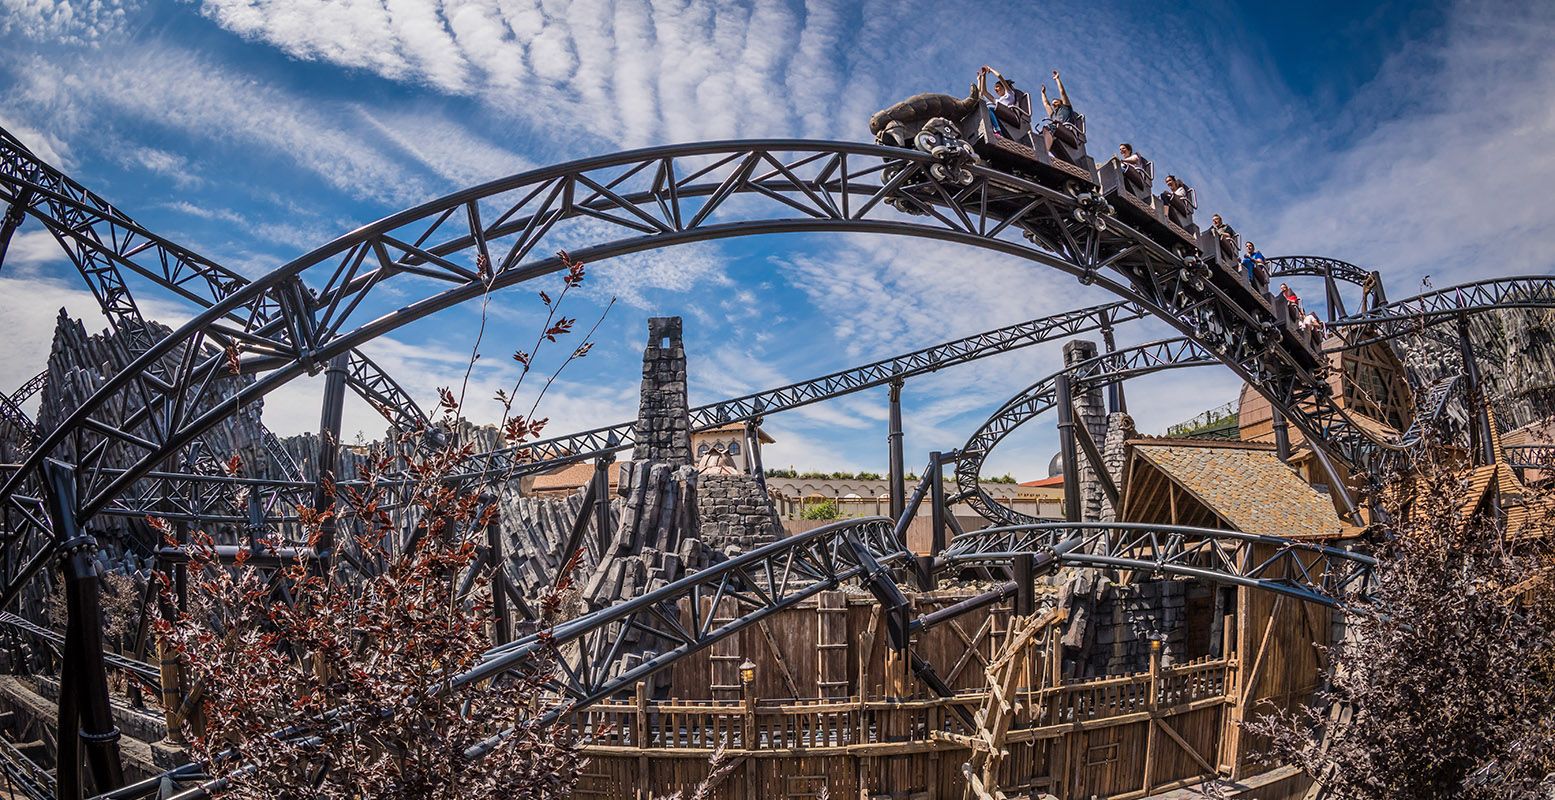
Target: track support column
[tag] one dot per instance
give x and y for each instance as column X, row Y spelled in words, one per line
column 1115, row 401
column 1066, row 446
column 330, row 418
column 937, row 503
column 602, row 527
column 501, row 618
column 12, row 220
column 1481, row 439
column 753, row 448
column 85, row 717
column 1281, row 434
column 893, row 440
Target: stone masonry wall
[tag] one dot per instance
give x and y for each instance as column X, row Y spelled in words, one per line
column 1120, row 428
column 1110, row 625
column 663, row 422
column 736, row 515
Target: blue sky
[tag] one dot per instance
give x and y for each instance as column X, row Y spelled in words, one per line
column 1409, row 137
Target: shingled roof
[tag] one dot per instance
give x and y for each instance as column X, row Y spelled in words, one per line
column 1245, row 484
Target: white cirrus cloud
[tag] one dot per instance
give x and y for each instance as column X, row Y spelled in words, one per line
column 65, row 20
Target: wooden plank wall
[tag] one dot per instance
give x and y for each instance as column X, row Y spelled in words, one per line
column 864, row 724
column 1281, row 663
column 1121, row 737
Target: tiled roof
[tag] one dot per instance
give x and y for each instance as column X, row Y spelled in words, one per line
column 569, row 477
column 1246, row 484
column 1056, row 480
column 731, row 427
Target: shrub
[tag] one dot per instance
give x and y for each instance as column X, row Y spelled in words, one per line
column 825, row 509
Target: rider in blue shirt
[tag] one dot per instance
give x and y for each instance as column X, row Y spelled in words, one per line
column 1253, row 262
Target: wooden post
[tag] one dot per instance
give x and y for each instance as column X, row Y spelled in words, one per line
column 1155, row 708
column 750, row 743
column 640, row 739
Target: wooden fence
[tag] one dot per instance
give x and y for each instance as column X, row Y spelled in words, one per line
column 1117, row 737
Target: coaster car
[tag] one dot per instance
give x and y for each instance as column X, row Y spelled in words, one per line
column 1129, row 190
column 944, row 126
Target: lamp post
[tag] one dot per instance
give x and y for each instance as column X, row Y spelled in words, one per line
column 747, row 685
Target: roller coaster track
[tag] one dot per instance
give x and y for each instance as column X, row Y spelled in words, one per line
column 24, row 392
column 1310, row 571
column 1408, row 316
column 100, row 240
column 483, row 239
column 214, row 498
column 1531, row 456
column 1431, row 409
column 1317, row 266
column 1399, row 319
column 314, row 309
column 775, row 576
column 15, row 417
column 548, row 453
column 11, row 407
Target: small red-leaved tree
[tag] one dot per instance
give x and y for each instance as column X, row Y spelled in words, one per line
column 1447, row 676
column 314, row 681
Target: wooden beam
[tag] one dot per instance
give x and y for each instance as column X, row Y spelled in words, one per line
column 966, row 655
column 1169, row 731
column 1263, row 647
column 777, row 655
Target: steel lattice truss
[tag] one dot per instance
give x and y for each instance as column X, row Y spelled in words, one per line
column 487, row 238
column 1308, row 571
column 1043, row 396
column 1531, row 456
column 1317, row 266
column 548, row 453
column 1409, row 316
column 14, row 416
column 30, row 388
column 220, row 498
column 101, row 240
column 11, row 407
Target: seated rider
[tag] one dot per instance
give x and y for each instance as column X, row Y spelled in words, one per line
column 1178, row 200
column 1225, row 235
column 1135, row 177
column 1060, row 114
column 1291, row 298
column 1253, row 263
column 1006, row 107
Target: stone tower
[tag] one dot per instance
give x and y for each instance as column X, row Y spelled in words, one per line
column 663, row 424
